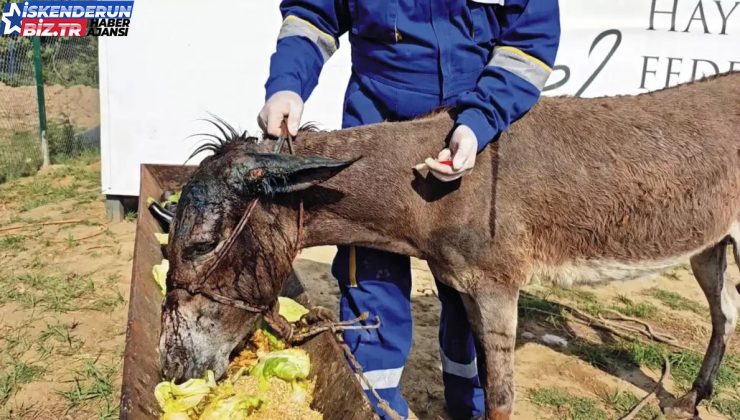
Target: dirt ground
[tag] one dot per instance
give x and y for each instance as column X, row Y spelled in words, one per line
column 538, row 366
column 63, row 305
column 80, row 103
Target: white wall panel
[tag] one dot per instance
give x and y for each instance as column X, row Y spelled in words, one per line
column 184, row 59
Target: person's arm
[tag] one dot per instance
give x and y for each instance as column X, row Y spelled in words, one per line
column 308, row 37
column 520, row 65
column 508, row 86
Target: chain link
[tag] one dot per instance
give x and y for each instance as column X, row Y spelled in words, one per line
column 70, row 78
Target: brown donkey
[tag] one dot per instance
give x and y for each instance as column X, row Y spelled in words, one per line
column 580, row 190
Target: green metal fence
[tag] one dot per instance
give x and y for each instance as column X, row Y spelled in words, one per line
column 49, row 102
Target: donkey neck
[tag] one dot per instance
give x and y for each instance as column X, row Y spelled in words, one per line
column 374, row 202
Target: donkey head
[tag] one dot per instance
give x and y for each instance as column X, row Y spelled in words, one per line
column 199, row 333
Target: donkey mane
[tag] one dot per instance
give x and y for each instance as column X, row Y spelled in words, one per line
column 230, row 137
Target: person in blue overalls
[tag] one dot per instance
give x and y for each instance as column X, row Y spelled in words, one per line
column 488, row 58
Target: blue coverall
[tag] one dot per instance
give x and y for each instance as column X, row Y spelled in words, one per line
column 490, row 58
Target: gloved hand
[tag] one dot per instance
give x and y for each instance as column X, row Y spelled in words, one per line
column 281, row 105
column 463, row 149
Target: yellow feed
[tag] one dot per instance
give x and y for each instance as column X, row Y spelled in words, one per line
column 162, row 238
column 253, row 388
column 159, row 271
column 278, row 400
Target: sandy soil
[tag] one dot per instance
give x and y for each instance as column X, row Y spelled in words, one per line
column 537, row 365
column 56, row 332
column 80, row 103
column 92, row 323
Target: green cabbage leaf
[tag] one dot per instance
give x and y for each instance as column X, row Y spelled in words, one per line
column 173, row 398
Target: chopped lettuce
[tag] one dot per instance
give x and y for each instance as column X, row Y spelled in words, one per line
column 236, row 407
column 290, row 309
column 173, row 398
column 159, row 271
column 175, row 415
column 162, row 238
column 172, row 199
column 228, row 401
column 289, row 365
column 232, row 399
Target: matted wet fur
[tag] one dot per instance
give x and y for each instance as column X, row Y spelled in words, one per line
column 577, row 190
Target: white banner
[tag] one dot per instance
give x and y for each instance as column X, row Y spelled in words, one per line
column 632, row 46
column 184, row 59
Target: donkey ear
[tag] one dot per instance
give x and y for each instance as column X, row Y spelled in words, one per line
column 288, row 173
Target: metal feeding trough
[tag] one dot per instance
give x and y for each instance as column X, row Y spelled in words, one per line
column 338, row 394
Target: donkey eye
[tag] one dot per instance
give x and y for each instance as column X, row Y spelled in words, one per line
column 201, row 248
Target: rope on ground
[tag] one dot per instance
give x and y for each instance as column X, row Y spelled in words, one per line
column 101, row 229
column 652, row 394
column 664, row 338
column 29, row 225
column 613, row 327
column 622, row 331
column 100, row 247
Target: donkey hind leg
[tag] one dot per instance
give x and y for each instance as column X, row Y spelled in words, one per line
column 736, row 254
column 709, row 269
column 493, row 318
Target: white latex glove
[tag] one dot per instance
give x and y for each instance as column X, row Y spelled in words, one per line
column 462, row 151
column 281, row 105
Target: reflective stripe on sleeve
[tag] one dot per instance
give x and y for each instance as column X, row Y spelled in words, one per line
column 522, row 64
column 463, row 370
column 382, row 379
column 295, row 26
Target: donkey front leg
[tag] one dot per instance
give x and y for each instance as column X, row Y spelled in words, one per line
column 709, row 269
column 492, row 314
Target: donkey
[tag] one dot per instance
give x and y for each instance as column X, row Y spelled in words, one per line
column 579, row 190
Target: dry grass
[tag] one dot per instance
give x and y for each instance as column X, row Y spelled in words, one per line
column 63, row 293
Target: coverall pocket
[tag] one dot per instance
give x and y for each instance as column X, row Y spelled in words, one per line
column 375, row 20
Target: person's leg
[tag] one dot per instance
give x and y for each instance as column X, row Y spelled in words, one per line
column 374, row 281
column 463, row 394
column 379, row 283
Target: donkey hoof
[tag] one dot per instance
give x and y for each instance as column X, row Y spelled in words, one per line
column 683, row 408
